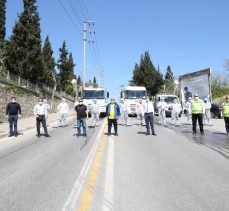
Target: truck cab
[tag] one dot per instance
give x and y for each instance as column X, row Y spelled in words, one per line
column 90, row 93
column 169, row 100
column 131, row 96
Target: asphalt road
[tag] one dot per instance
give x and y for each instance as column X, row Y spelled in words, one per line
column 39, row 173
column 175, row 170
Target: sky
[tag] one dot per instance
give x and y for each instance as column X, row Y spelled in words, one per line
column 188, row 35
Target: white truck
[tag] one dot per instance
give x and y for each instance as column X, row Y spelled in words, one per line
column 169, row 100
column 131, row 96
column 90, row 93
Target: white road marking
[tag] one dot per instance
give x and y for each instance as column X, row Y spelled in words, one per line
column 108, row 192
column 72, row 199
column 171, row 131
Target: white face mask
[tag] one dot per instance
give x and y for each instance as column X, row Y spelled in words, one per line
column 40, row 103
column 13, row 101
column 227, row 100
column 80, row 103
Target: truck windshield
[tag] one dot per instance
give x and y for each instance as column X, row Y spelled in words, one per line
column 93, row 94
column 133, row 94
column 170, row 99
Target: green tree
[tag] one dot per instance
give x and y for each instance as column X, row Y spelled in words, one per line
column 2, row 21
column 24, row 49
column 48, row 63
column 145, row 74
column 169, row 79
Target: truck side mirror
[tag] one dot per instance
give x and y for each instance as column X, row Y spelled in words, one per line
column 107, row 94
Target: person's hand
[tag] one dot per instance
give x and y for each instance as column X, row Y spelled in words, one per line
column 19, row 115
column 7, row 116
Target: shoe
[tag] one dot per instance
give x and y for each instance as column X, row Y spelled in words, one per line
column 16, row 134
column 47, row 135
column 84, row 134
column 109, row 134
column 147, row 134
column 10, row 135
column 154, row 134
column 116, row 134
column 194, row 132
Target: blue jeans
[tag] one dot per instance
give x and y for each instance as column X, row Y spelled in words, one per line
column 149, row 122
column 81, row 121
column 13, row 123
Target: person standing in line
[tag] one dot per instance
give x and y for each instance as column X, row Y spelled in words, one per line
column 95, row 113
column 40, row 113
column 198, row 109
column 63, row 112
column 161, row 111
column 226, row 114
column 123, row 112
column 47, row 108
column 148, row 114
column 81, row 115
column 176, row 109
column 207, row 114
column 13, row 111
column 188, row 107
column 140, row 112
column 113, row 113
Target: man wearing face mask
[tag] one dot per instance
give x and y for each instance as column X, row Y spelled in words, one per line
column 113, row 113
column 226, row 114
column 161, row 111
column 198, row 109
column 81, row 115
column 13, row 111
column 149, row 113
column 207, row 114
column 40, row 113
column 63, row 112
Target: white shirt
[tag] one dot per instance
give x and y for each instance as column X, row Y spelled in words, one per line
column 123, row 107
column 176, row 107
column 148, row 107
column 63, row 108
column 40, row 110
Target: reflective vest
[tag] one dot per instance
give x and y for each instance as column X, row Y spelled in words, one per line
column 226, row 109
column 197, row 106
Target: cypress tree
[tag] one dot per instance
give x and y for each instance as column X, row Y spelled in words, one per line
column 169, row 79
column 145, row 74
column 2, row 21
column 24, row 49
column 49, row 63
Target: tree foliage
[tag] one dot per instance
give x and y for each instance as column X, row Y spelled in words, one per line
column 2, row 20
column 24, row 49
column 219, row 84
column 169, row 79
column 48, row 63
column 145, row 74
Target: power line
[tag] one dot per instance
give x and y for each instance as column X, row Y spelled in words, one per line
column 80, row 21
column 70, row 17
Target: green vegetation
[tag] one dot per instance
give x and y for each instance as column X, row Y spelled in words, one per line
column 145, row 74
column 219, row 84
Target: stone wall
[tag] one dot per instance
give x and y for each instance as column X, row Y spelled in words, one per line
column 27, row 101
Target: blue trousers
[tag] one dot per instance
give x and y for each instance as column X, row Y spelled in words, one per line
column 13, row 123
column 149, row 122
column 81, row 121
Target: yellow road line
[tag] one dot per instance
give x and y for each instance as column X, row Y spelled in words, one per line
column 85, row 201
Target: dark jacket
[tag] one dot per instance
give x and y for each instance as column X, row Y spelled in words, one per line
column 13, row 109
column 116, row 110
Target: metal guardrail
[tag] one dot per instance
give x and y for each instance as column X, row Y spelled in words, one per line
column 21, row 82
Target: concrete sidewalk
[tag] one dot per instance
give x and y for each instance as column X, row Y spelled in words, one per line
column 30, row 122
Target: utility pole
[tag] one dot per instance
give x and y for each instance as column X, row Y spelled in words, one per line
column 85, row 30
column 101, row 76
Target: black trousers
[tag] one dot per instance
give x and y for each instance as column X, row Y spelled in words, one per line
column 115, row 123
column 198, row 117
column 13, row 123
column 41, row 120
column 226, row 119
column 149, row 122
